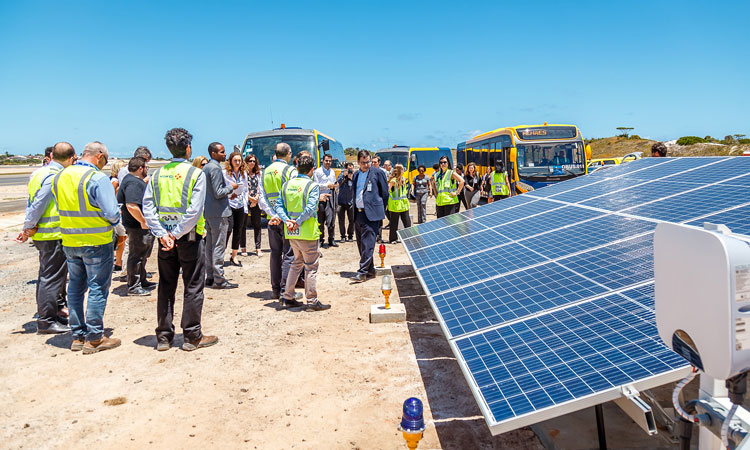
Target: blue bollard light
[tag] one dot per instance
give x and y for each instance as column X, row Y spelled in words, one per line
column 412, row 422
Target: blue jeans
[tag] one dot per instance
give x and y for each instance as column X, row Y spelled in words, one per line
column 89, row 268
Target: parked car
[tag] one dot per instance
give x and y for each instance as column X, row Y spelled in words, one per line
column 631, row 157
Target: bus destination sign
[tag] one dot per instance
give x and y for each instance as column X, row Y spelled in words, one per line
column 542, row 133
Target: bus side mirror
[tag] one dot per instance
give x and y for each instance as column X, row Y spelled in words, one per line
column 512, row 155
column 325, row 145
column 588, row 152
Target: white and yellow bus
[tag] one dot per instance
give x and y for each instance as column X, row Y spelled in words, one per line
column 263, row 145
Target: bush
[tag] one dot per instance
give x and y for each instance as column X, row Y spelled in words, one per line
column 634, row 136
column 744, row 141
column 690, row 140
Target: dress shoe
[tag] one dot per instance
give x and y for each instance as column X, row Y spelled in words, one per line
column 209, row 283
column 343, row 239
column 163, row 346
column 351, row 238
column 317, row 306
column 322, row 245
column 118, row 268
column 333, row 244
column 360, row 277
column 77, row 344
column 54, row 328
column 149, row 285
column 205, row 341
column 138, row 292
column 291, row 303
column 102, row 344
column 224, row 285
column 371, row 275
column 232, row 262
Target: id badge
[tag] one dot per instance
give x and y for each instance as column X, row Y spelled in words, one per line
column 369, row 186
column 293, row 233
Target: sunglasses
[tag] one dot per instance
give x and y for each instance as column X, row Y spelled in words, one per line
column 443, row 162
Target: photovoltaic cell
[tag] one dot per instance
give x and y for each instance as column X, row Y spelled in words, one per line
column 558, row 309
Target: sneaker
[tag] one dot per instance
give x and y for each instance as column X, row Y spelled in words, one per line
column 351, row 238
column 102, row 344
column 163, row 346
column 317, row 306
column 77, row 345
column 138, row 292
column 205, row 341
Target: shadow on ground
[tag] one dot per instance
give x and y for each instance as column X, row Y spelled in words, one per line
column 458, row 421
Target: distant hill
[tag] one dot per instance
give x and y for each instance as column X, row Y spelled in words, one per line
column 619, row 146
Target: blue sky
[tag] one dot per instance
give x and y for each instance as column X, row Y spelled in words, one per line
column 369, row 74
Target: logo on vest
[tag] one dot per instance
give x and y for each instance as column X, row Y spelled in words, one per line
column 178, row 176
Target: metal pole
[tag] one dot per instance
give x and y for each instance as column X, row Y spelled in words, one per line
column 600, row 427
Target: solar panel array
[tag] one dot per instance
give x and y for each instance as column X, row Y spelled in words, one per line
column 547, row 298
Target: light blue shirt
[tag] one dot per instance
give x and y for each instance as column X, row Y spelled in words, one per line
column 102, row 194
column 359, row 198
column 35, row 209
column 263, row 202
column 311, row 207
column 189, row 219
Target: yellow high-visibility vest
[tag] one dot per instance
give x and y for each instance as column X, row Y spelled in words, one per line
column 48, row 228
column 81, row 223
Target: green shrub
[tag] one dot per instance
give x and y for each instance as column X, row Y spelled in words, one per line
column 634, row 136
column 690, row 140
column 744, row 141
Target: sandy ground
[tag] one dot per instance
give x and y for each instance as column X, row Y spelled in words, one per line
column 276, row 380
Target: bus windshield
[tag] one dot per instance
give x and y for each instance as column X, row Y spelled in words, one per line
column 537, row 161
column 428, row 158
column 394, row 157
column 265, row 146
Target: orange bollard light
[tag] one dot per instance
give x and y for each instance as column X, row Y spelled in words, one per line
column 381, row 252
column 385, row 286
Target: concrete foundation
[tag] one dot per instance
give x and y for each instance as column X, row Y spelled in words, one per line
column 380, row 271
column 396, row 313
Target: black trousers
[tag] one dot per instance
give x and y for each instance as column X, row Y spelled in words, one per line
column 282, row 256
column 50, row 286
column 237, row 228
column 462, row 200
column 498, row 197
column 140, row 244
column 254, row 218
column 445, row 210
column 326, row 216
column 393, row 225
column 366, row 231
column 346, row 212
column 188, row 256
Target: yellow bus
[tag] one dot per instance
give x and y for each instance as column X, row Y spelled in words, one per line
column 413, row 157
column 534, row 155
column 263, row 145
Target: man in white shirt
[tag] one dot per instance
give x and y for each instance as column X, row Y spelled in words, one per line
column 325, row 177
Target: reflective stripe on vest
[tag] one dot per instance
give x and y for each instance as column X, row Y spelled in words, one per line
column 81, row 223
column 48, row 227
column 397, row 201
column 499, row 187
column 444, row 186
column 274, row 177
column 172, row 186
column 295, row 194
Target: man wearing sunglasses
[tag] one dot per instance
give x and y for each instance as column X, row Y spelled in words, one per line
column 85, row 199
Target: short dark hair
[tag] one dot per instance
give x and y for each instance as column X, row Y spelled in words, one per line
column 62, row 151
column 499, row 165
column 48, row 152
column 376, row 157
column 327, row 155
column 421, row 166
column 348, row 164
column 136, row 163
column 362, row 153
column 178, row 140
column 659, row 148
column 213, row 147
column 142, row 152
column 305, row 164
column 435, row 166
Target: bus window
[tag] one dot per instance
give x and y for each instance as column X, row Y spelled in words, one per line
column 333, row 148
column 264, row 148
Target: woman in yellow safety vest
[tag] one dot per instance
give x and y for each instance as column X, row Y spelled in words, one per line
column 500, row 188
column 447, row 186
column 398, row 202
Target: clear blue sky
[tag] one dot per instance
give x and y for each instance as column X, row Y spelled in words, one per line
column 368, row 74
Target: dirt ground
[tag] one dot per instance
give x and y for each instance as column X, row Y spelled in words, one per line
column 278, row 379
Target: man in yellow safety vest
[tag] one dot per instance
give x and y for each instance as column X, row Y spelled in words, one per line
column 500, row 186
column 173, row 207
column 85, row 201
column 42, row 224
column 297, row 206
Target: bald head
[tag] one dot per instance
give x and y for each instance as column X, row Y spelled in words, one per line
column 63, row 152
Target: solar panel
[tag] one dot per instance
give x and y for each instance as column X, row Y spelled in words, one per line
column 547, row 298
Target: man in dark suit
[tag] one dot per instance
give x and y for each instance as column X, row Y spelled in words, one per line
column 370, row 198
column 218, row 215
